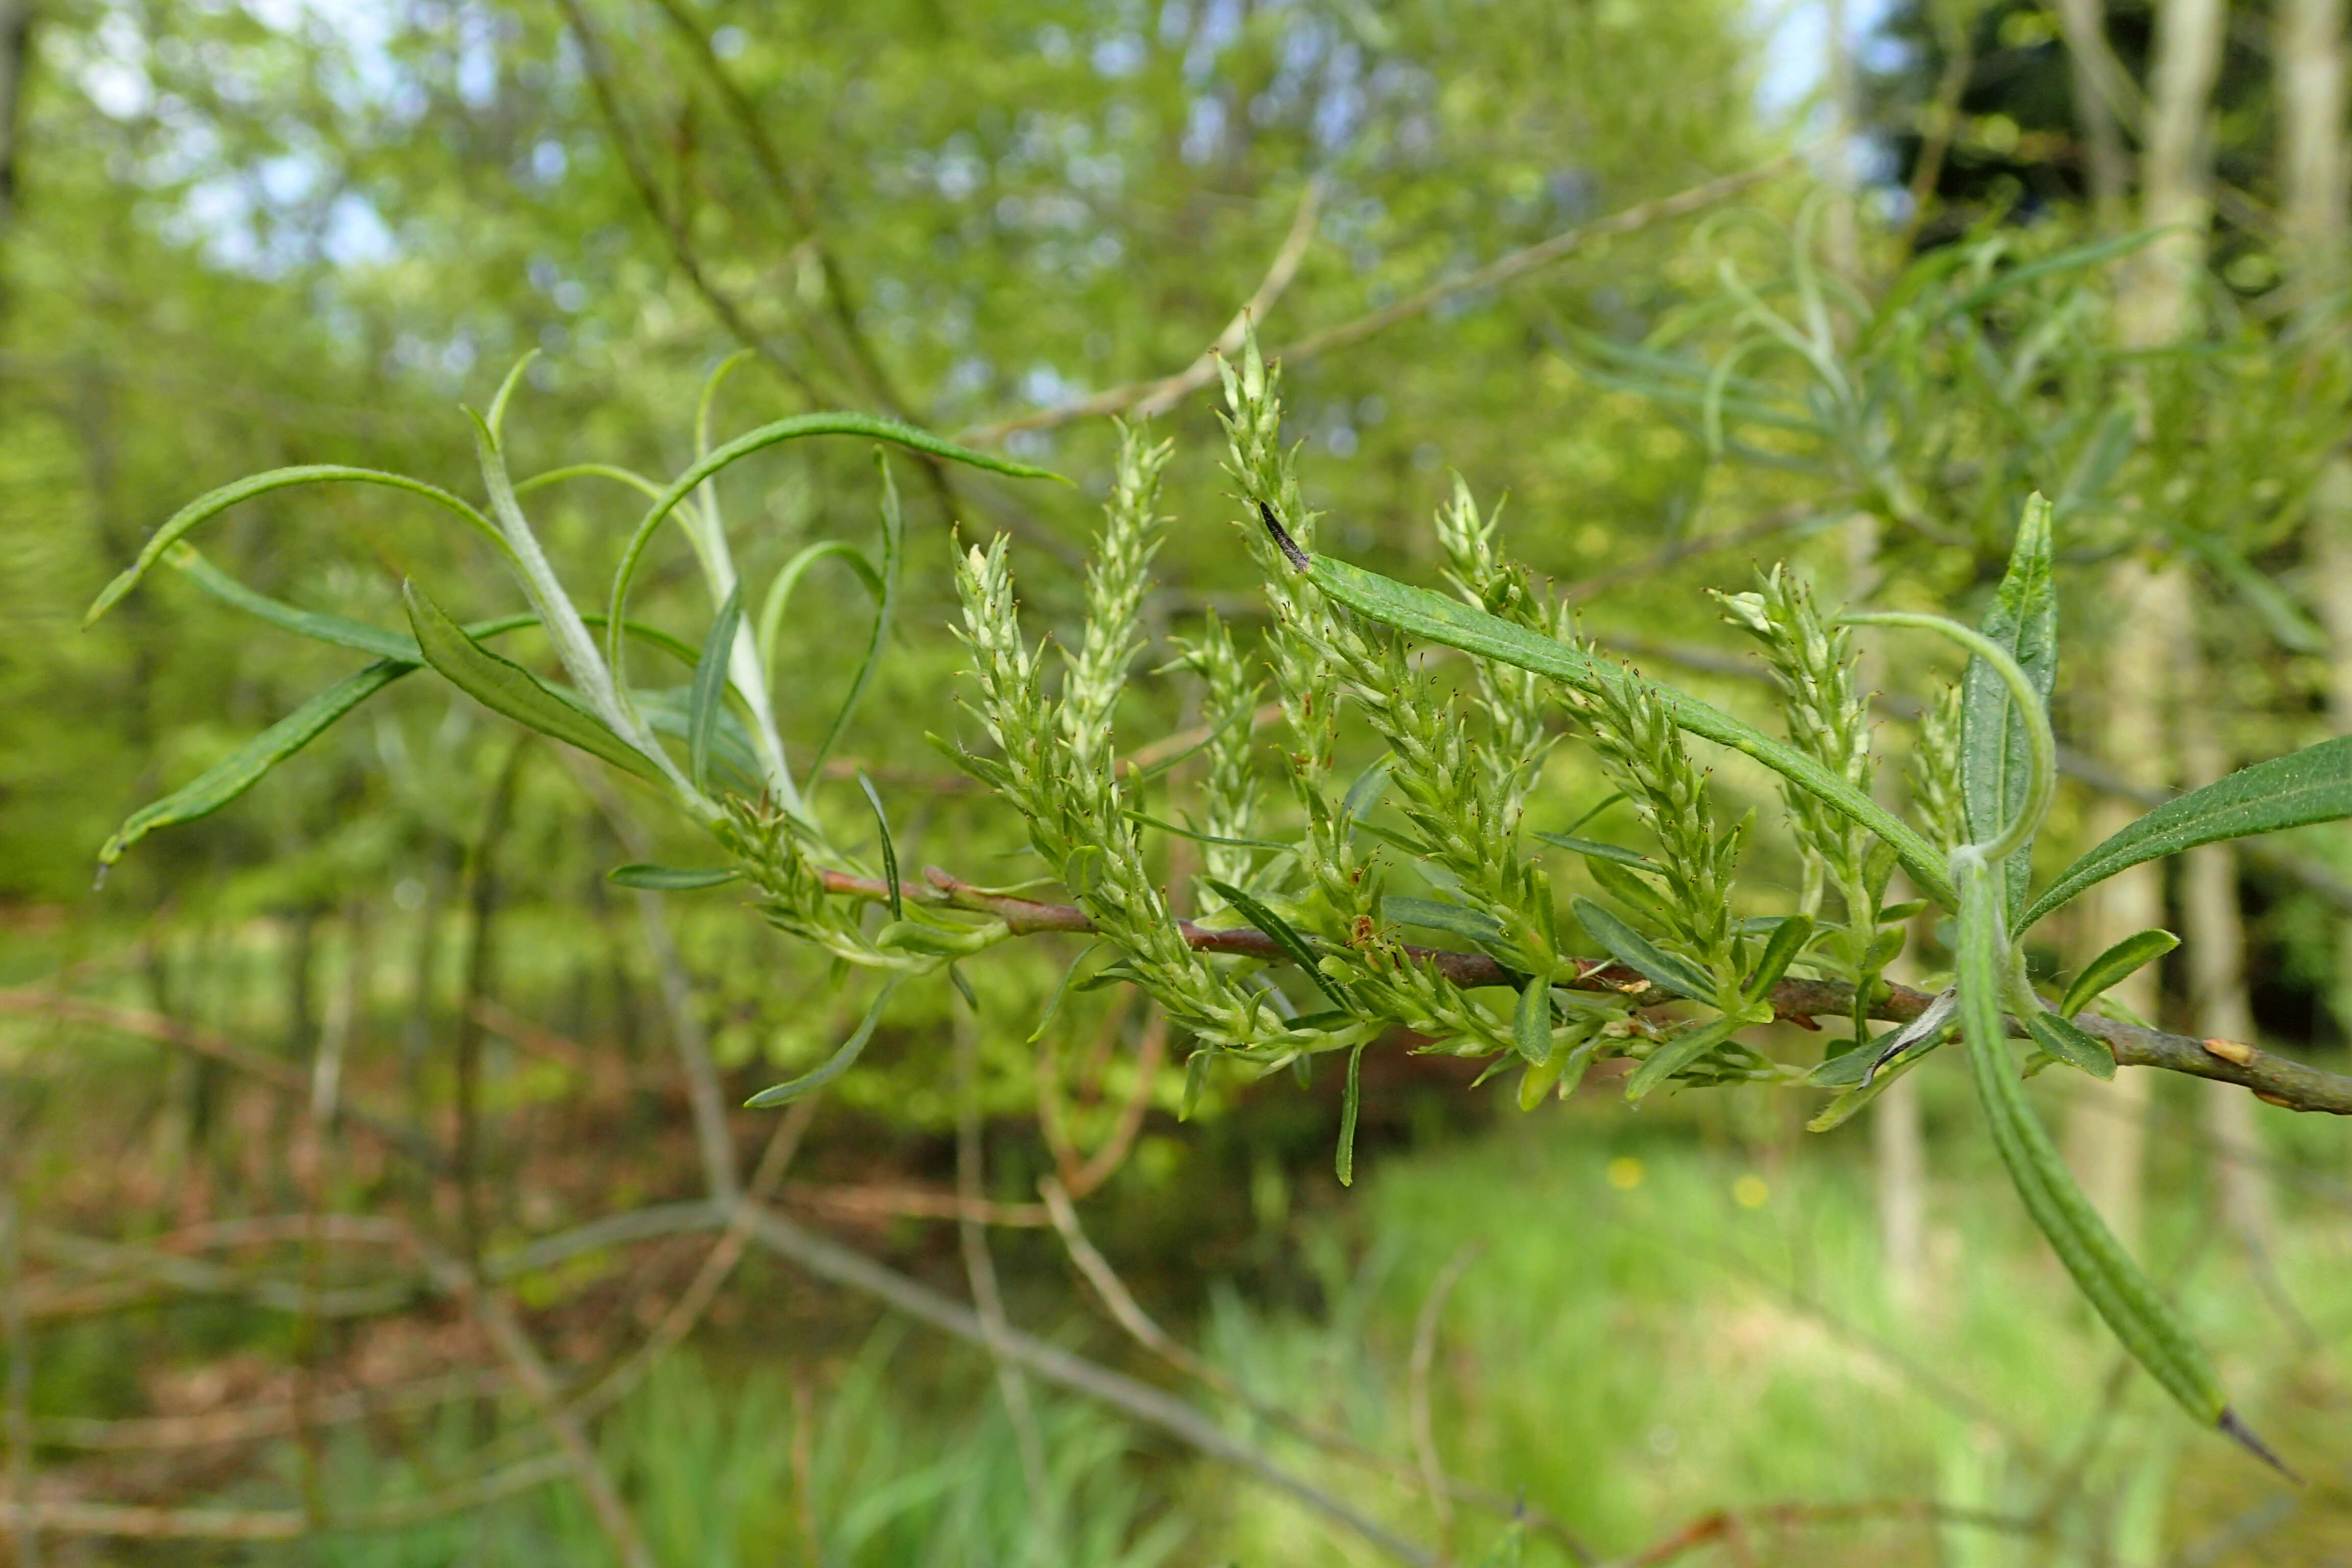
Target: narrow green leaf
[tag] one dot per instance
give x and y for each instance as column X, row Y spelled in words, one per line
column 1199, row 838
column 671, row 878
column 1433, row 618
column 340, row 631
column 2104, row 1272
column 1292, row 944
column 1677, row 1054
column 894, row 530
column 1365, row 793
column 1343, row 1162
column 1631, row 948
column 1196, row 1077
column 670, row 712
column 508, row 688
column 243, row 768
column 840, row 1062
column 708, row 697
column 1431, row 915
column 1594, row 849
column 1054, row 1002
column 2314, row 784
column 1532, row 1021
column 495, row 421
column 2023, row 622
column 2067, row 1042
column 2110, row 969
column 767, row 435
column 213, row 502
column 1787, row 941
column 1606, row 802
column 889, row 849
column 788, row 578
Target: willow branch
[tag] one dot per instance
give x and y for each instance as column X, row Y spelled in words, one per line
column 2274, row 1079
column 1166, row 391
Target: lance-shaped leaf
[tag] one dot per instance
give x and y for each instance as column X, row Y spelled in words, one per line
column 244, row 768
column 2065, row 1040
column 893, row 528
column 1631, row 948
column 1416, row 612
column 1678, row 1053
column 2122, row 1295
column 767, row 435
column 840, row 1062
column 2111, row 968
column 214, row 503
column 1292, row 944
column 1592, row 848
column 670, row 878
column 708, row 697
column 507, row 688
column 1343, row 1159
column 1995, row 769
column 2314, row 784
column 1476, row 925
column 889, row 847
column 1780, row 949
column 1532, row 1021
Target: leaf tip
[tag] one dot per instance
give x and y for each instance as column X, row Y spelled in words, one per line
column 2244, row 1436
column 108, row 597
column 1282, row 539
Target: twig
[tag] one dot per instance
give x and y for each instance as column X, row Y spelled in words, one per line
column 1154, row 397
column 1723, row 1524
column 717, row 1264
column 134, row 1523
column 1959, row 64
column 1137, row 1401
column 980, row 1272
column 1167, row 391
column 214, row 1428
column 1778, row 520
column 703, row 1093
column 1146, row 1332
column 1425, row 1353
column 489, row 1309
column 598, row 68
column 283, row 1077
column 16, row 1398
column 2274, row 1079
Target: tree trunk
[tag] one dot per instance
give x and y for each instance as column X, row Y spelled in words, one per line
column 2314, row 166
column 2309, row 46
column 2214, row 948
column 1897, row 1140
column 2108, row 1134
column 2106, row 169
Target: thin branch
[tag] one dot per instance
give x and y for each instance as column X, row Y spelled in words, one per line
column 1424, row 1355
column 133, row 1524
column 598, row 68
column 281, row 1076
column 717, row 1264
column 979, row 1274
column 1145, row 1330
column 490, row 1310
column 1167, row 391
column 2274, row 1079
column 1137, row 1401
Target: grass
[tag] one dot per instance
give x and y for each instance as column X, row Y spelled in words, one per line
column 1658, row 1318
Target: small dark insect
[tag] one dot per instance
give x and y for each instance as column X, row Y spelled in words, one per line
column 1289, row 545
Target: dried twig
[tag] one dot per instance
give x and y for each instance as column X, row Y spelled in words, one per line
column 1167, row 391
column 283, row 1077
column 1425, row 1354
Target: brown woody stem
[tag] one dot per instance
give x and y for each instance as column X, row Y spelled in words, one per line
column 2274, row 1079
